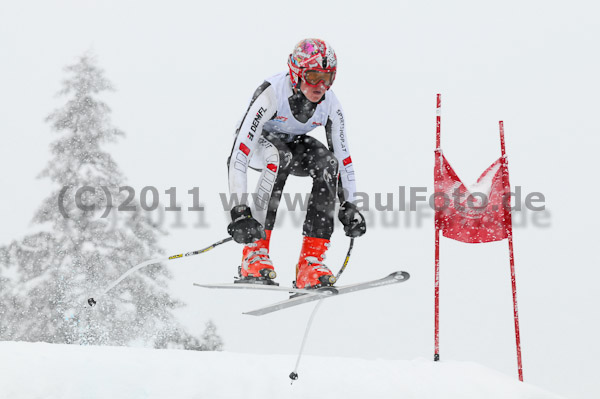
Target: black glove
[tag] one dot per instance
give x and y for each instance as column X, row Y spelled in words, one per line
column 244, row 228
column 352, row 219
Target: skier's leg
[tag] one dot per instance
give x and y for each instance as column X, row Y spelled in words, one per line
column 312, row 158
column 315, row 160
column 272, row 158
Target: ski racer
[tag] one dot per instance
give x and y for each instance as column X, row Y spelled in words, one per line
column 273, row 138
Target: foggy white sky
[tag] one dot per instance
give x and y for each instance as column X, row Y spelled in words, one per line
column 184, row 72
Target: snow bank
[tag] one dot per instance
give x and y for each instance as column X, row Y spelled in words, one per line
column 38, row 370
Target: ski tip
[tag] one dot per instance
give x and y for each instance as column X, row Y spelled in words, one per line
column 252, row 313
column 201, row 285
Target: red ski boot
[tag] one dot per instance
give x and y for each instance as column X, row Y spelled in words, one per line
column 256, row 265
column 310, row 271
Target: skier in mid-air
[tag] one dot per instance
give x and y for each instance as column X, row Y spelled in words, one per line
column 272, row 138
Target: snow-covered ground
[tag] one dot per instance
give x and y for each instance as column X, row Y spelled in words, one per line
column 39, row 370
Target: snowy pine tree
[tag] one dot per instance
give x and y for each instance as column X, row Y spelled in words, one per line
column 46, row 278
column 211, row 341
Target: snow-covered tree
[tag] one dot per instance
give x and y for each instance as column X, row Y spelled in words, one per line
column 46, row 278
column 211, row 341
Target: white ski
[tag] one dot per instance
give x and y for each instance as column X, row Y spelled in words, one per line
column 260, row 287
column 305, row 296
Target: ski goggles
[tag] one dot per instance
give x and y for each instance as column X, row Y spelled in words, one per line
column 313, row 77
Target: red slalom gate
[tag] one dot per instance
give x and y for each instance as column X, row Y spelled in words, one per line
column 490, row 221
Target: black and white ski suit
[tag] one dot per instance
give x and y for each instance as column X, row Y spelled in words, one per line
column 272, row 138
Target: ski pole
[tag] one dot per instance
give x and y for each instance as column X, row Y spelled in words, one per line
column 92, row 301
column 294, row 374
column 337, row 277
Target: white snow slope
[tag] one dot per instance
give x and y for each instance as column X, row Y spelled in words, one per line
column 39, row 370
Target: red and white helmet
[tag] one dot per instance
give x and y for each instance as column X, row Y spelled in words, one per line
column 313, row 61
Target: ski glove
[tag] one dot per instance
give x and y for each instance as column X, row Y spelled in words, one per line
column 352, row 219
column 244, row 228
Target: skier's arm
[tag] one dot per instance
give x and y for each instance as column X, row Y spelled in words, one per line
column 338, row 143
column 261, row 109
column 353, row 221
